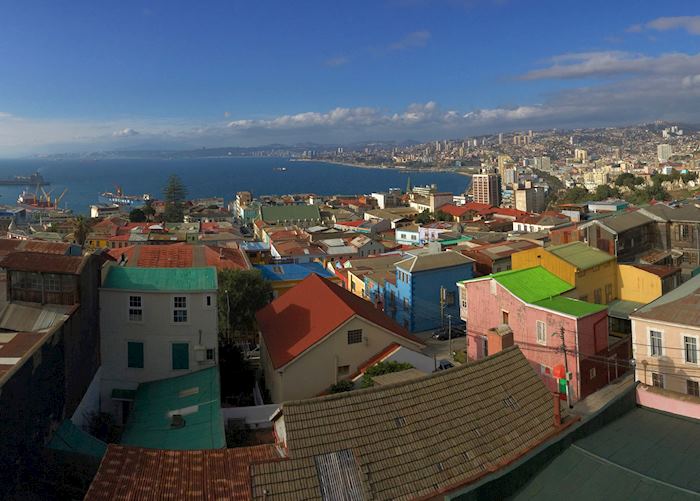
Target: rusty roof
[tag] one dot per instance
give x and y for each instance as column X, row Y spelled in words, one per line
column 414, row 439
column 43, row 263
column 11, row 245
column 182, row 255
column 136, row 473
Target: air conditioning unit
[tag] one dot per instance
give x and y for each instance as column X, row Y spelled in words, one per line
column 200, row 353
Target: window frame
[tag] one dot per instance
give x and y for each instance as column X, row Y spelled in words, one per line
column 660, row 378
column 688, row 383
column 128, row 354
column 208, row 301
column 131, row 307
column 685, row 349
column 543, row 342
column 351, row 339
column 652, row 350
column 179, row 309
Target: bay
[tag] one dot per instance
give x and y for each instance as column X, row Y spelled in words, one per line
column 221, row 177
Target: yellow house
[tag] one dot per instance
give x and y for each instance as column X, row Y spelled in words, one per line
column 318, row 334
column 592, row 272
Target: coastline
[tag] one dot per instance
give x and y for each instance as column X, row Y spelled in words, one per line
column 380, row 167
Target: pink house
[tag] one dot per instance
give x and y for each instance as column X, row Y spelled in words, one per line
column 529, row 303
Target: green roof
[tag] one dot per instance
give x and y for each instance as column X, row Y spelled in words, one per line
column 161, row 279
column 195, row 396
column 532, row 284
column 580, row 255
column 571, row 306
column 70, row 438
column 290, row 213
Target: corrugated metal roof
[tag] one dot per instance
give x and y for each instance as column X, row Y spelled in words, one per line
column 580, row 255
column 425, row 262
column 150, row 423
column 281, row 213
column 571, row 306
column 32, row 318
column 70, row 438
column 161, row 279
column 43, row 262
column 532, row 284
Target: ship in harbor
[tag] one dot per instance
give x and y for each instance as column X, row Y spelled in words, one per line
column 119, row 198
column 45, row 203
column 35, row 179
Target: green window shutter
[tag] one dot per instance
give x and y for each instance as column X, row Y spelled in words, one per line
column 181, row 356
column 135, row 355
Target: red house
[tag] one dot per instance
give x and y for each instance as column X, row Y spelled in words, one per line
column 529, row 303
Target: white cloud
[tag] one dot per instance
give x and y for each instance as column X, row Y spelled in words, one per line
column 414, row 39
column 128, row 132
column 690, row 24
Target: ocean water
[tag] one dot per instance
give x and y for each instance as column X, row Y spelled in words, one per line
column 222, row 177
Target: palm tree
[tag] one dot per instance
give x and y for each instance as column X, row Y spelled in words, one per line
column 81, row 228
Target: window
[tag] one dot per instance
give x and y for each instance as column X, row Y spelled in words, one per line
column 414, row 237
column 343, row 370
column 355, row 336
column 450, row 298
column 135, row 309
column 692, row 387
column 135, row 355
column 352, row 285
column 591, row 373
column 179, row 309
column 655, row 343
column 181, row 356
column 690, row 345
column 597, row 296
column 504, row 317
column 608, row 293
column 211, row 353
column 541, row 333
column 657, row 380
column 208, row 302
column 52, row 282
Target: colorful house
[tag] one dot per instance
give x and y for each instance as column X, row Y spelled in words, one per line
column 423, row 293
column 531, row 304
column 283, row 277
column 319, row 334
column 591, row 273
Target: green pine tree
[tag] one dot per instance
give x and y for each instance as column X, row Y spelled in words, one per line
column 175, row 193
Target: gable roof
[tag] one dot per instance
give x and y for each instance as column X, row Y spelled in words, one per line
column 619, row 223
column 425, row 262
column 679, row 306
column 310, row 311
column 412, row 439
column 532, row 284
column 161, row 279
column 580, row 255
column 44, row 263
column 182, row 255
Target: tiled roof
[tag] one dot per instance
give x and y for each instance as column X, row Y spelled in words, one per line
column 414, row 439
column 182, row 255
column 580, row 255
column 434, row 261
column 311, row 310
column 134, row 473
column 161, row 279
column 42, row 262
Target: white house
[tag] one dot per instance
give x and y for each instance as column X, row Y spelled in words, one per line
column 155, row 323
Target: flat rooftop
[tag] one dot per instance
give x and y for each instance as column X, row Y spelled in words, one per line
column 645, row 454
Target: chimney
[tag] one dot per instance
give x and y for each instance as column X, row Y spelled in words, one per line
column 557, row 409
column 499, row 338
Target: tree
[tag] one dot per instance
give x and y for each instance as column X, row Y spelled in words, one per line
column 341, row 386
column 175, row 193
column 137, row 216
column 81, row 229
column 386, row 367
column 443, row 216
column 424, row 217
column 575, row 195
column 241, row 294
column 148, row 209
column 603, row 192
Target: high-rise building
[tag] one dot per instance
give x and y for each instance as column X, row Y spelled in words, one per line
column 500, row 138
column 529, row 198
column 486, row 189
column 580, row 155
column 504, row 161
column 664, row 152
column 542, row 163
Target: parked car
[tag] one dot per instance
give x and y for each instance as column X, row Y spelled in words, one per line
column 444, row 364
column 442, row 334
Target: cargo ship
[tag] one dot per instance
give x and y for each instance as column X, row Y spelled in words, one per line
column 32, row 201
column 35, row 179
column 118, row 197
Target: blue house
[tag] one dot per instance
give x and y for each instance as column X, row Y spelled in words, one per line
column 413, row 296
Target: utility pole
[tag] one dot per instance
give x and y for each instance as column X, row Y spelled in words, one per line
column 449, row 333
column 566, row 367
column 442, row 306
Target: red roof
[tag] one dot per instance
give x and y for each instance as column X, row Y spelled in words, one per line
column 182, row 255
column 310, row 311
column 137, row 473
column 42, row 263
column 658, row 270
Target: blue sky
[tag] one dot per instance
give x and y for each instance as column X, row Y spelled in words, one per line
column 85, row 75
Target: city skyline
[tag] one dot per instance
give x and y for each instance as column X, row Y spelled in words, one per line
column 84, row 78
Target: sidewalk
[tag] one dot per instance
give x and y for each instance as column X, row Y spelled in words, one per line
column 594, row 402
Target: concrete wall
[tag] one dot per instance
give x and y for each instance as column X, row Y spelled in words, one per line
column 667, row 401
column 314, row 371
column 538, row 256
column 157, row 332
column 671, row 364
